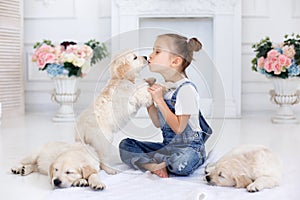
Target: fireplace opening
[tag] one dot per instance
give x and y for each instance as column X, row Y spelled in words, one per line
column 201, row 69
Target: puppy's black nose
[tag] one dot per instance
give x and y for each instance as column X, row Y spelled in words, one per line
column 207, row 178
column 145, row 57
column 56, row 182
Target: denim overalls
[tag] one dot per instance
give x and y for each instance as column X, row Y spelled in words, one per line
column 183, row 153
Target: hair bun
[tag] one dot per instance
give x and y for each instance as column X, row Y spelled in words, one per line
column 194, row 44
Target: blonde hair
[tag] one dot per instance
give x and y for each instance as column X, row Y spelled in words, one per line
column 183, row 47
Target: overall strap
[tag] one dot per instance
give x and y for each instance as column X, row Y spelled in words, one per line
column 173, row 99
column 206, row 129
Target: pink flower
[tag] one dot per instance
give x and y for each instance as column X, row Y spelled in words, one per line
column 268, row 66
column 81, row 53
column 284, row 60
column 88, row 51
column 72, row 49
column 276, row 68
column 276, row 62
column 43, row 55
column 272, row 54
column 260, row 62
column 288, row 63
column 44, row 58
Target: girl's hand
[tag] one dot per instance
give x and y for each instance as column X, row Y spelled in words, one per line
column 156, row 92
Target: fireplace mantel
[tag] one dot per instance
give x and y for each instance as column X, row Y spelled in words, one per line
column 226, row 19
column 176, row 7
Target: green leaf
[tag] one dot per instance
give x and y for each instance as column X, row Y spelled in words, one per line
column 99, row 51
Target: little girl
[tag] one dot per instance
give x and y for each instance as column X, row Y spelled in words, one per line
column 177, row 113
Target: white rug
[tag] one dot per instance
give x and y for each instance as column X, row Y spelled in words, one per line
column 135, row 185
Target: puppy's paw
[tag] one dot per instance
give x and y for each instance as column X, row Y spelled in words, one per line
column 16, row 170
column 150, row 81
column 254, row 187
column 111, row 171
column 108, row 169
column 97, row 186
column 95, row 183
column 80, row 183
column 22, row 170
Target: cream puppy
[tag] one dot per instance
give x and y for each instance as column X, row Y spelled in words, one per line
column 118, row 101
column 112, row 109
column 253, row 167
column 66, row 164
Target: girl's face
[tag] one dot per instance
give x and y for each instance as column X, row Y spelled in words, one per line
column 160, row 60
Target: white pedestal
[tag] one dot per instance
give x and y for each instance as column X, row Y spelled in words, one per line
column 65, row 114
column 285, row 94
column 65, row 94
column 285, row 115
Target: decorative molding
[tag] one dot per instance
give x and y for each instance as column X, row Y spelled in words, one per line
column 179, row 7
column 45, row 9
column 255, row 8
column 296, row 9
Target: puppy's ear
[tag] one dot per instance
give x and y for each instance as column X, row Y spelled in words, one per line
column 242, row 181
column 87, row 171
column 209, row 168
column 51, row 169
column 122, row 70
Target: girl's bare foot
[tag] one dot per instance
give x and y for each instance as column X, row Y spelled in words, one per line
column 160, row 169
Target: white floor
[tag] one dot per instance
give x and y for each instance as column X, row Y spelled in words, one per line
column 20, row 135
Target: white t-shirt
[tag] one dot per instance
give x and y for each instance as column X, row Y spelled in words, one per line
column 187, row 103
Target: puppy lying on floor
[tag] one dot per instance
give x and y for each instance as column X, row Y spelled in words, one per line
column 66, row 164
column 253, row 167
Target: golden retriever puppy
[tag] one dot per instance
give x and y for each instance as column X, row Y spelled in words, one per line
column 119, row 100
column 253, row 167
column 66, row 164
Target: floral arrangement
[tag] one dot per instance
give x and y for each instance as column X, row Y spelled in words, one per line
column 68, row 58
column 278, row 60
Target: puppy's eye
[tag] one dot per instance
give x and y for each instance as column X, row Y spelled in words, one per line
column 221, row 175
column 69, row 172
column 56, row 169
column 135, row 57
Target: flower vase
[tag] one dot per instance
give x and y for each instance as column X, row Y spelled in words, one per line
column 65, row 94
column 285, row 94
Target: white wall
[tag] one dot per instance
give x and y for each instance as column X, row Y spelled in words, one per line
column 260, row 18
column 80, row 20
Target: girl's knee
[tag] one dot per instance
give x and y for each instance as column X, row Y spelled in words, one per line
column 183, row 165
column 125, row 143
column 180, row 168
column 124, row 148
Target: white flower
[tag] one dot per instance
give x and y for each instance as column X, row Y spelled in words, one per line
column 78, row 61
column 68, row 57
column 289, row 51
